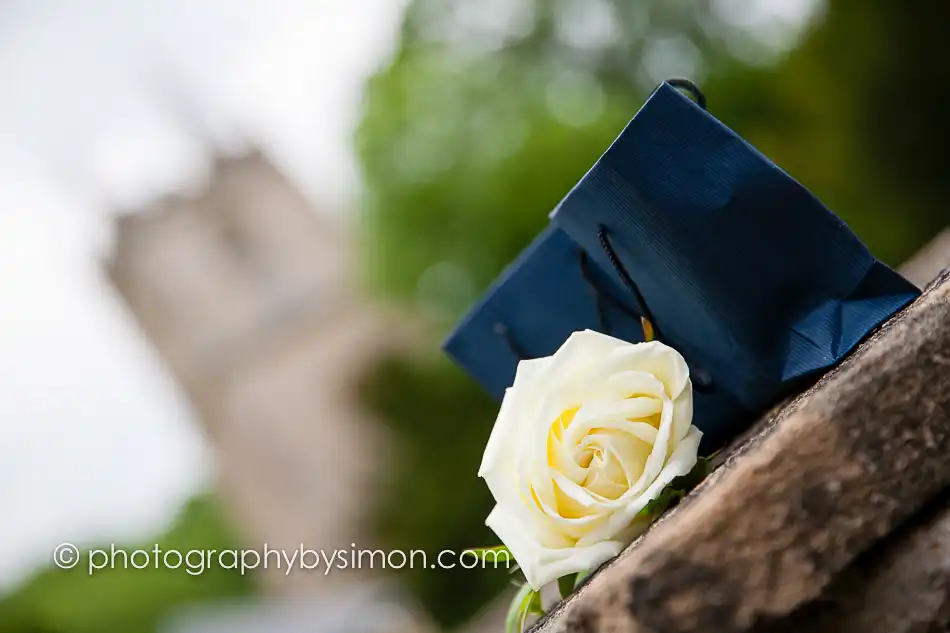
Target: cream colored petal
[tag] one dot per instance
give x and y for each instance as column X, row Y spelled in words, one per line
column 499, row 462
column 550, row 509
column 543, row 500
column 570, row 527
column 580, row 523
column 602, row 483
column 643, row 431
column 659, row 453
column 630, row 450
column 561, row 512
column 534, row 468
column 578, row 371
column 606, row 465
column 531, row 457
column 513, row 435
column 542, row 528
column 577, row 494
column 680, row 463
column 603, row 505
column 518, row 412
column 625, row 383
column 518, row 407
column 583, row 350
column 562, row 460
column 613, row 413
column 576, row 528
column 557, row 563
column 656, row 359
column 543, row 565
column 682, row 414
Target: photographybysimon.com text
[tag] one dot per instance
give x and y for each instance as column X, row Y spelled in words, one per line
column 195, row 562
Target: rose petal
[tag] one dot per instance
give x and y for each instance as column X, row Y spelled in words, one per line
column 561, row 460
column 660, row 452
column 498, row 460
column 542, row 565
column 656, row 359
column 572, row 527
column 577, row 371
column 680, row 463
column 682, row 414
column 613, row 414
column 643, row 431
column 629, row 382
column 630, row 449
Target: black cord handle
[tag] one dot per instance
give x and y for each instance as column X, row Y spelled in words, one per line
column 602, row 324
column 688, row 86
column 650, row 329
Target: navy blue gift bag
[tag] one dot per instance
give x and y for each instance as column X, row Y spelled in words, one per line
column 738, row 267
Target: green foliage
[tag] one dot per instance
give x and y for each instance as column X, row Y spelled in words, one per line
column 466, row 149
column 127, row 600
column 431, row 498
column 437, row 130
column 566, row 584
column 677, row 489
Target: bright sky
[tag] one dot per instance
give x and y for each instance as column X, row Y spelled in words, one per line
column 96, row 443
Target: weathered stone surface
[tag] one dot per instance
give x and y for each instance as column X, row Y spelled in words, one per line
column 899, row 586
column 828, row 476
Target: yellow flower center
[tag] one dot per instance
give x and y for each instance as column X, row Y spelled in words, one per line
column 605, row 460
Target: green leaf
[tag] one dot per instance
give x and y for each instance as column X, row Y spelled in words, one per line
column 580, row 577
column 566, row 584
column 666, row 500
column 526, row 602
column 678, row 488
column 534, row 608
column 695, row 476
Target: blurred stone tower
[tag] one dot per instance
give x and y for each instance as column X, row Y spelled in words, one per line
column 247, row 294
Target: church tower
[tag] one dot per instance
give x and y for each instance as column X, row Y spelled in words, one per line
column 248, row 296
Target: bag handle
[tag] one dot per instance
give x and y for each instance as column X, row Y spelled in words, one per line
column 686, row 85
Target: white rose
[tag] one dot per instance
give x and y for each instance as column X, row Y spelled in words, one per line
column 583, row 441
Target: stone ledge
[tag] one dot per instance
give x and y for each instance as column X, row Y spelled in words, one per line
column 828, row 475
column 901, row 585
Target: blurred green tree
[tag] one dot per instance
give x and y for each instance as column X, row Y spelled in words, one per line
column 487, row 116
column 490, row 112
column 430, row 497
column 128, row 600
